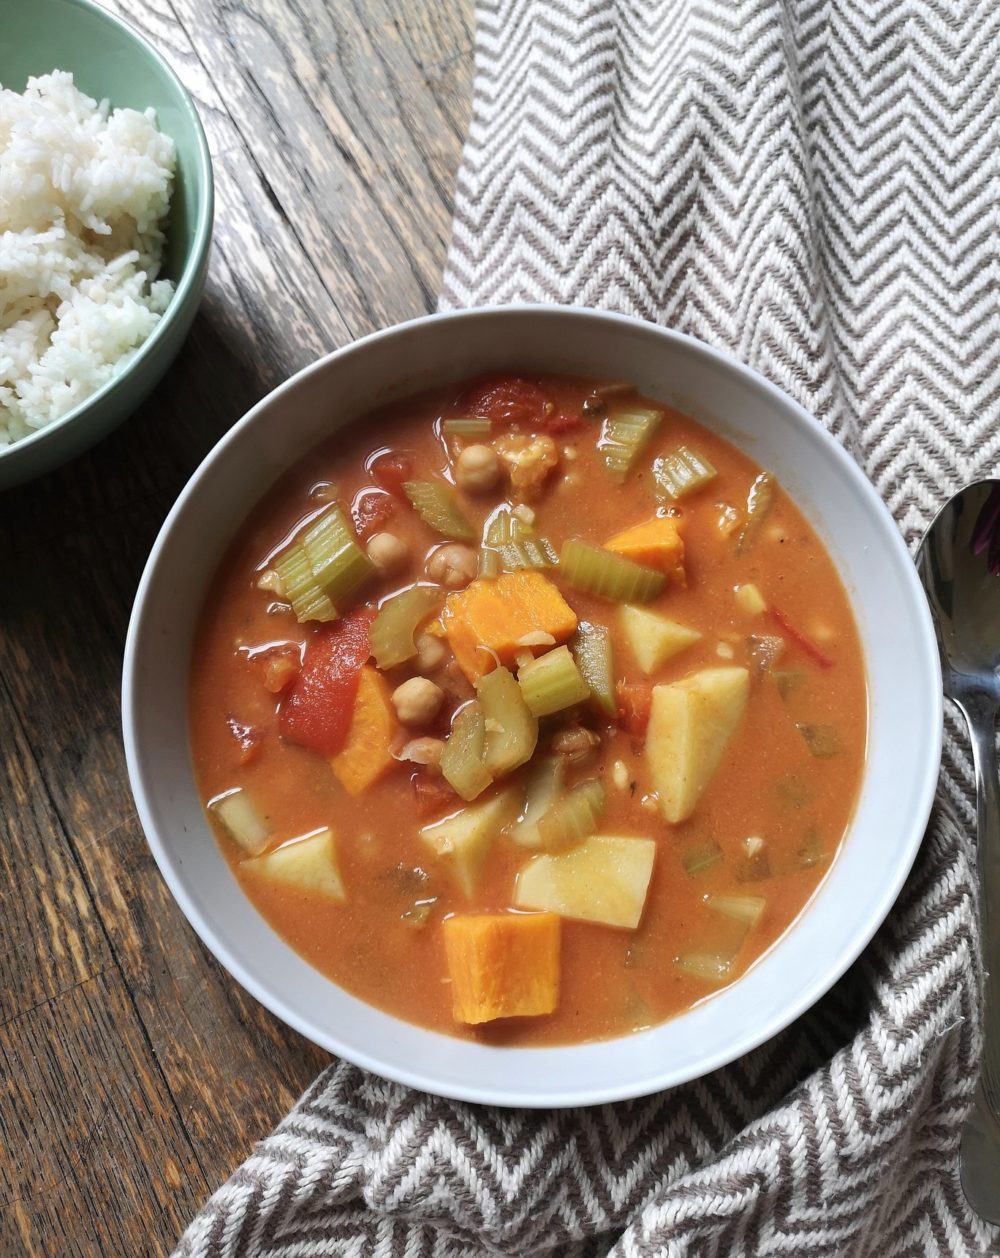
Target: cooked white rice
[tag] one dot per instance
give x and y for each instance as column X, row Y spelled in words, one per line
column 84, row 193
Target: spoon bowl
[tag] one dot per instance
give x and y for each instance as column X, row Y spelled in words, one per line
column 959, row 564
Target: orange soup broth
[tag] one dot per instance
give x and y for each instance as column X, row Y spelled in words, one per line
column 612, row 981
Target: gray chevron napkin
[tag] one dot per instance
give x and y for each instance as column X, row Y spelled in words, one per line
column 813, row 185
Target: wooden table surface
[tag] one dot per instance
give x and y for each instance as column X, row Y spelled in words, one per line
column 134, row 1073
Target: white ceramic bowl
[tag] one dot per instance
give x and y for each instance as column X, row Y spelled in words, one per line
column 895, row 626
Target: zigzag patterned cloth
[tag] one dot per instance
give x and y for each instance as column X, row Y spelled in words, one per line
column 813, row 185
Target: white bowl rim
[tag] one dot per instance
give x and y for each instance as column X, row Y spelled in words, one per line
column 511, row 1097
column 200, row 243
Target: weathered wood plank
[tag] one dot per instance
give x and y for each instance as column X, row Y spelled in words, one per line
column 332, row 120
column 137, row 1074
column 95, row 1157
column 232, row 1068
column 52, row 938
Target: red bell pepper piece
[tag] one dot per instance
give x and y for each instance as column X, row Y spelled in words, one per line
column 318, row 708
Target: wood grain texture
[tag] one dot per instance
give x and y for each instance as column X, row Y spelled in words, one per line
column 136, row 1073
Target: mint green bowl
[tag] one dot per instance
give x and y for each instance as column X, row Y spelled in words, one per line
column 109, row 59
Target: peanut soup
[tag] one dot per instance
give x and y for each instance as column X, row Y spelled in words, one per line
column 528, row 710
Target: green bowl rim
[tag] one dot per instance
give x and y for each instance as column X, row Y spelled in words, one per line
column 200, row 243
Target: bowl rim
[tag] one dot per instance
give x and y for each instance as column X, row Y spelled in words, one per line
column 202, row 238
column 661, row 1076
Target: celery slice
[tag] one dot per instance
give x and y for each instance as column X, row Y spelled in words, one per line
column 475, row 426
column 511, row 730
column 545, row 782
column 624, row 435
column 614, row 577
column 552, row 682
column 681, row 473
column 437, row 506
column 760, row 499
column 517, row 544
column 823, row 741
column 787, row 680
column 462, row 758
column 242, row 819
column 591, row 646
column 765, row 650
column 792, row 790
column 754, row 864
column 324, row 567
column 489, row 564
column 811, row 851
column 301, row 589
column 700, row 855
column 742, row 908
column 338, row 562
column 394, row 627
column 709, row 966
column 572, row 816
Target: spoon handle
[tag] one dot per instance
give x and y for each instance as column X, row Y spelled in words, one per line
column 981, row 1135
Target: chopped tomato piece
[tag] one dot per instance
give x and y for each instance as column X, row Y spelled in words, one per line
column 509, row 401
column 370, row 511
column 390, row 471
column 433, row 795
column 560, row 422
column 810, row 648
column 319, row 706
column 634, row 704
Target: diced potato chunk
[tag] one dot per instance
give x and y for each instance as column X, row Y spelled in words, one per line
column 657, row 543
column 750, row 600
column 308, row 863
column 464, row 839
column 690, row 726
column 503, row 965
column 654, row 639
column 603, row 880
column 242, row 819
column 367, row 753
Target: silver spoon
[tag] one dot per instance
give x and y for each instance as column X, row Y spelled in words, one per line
column 959, row 564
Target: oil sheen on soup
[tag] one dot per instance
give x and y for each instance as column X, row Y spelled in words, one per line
column 528, row 710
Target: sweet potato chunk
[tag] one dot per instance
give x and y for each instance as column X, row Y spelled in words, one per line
column 500, row 615
column 657, row 543
column 367, row 753
column 503, row 965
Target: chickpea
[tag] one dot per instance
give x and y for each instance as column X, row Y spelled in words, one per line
column 431, row 653
column 425, row 751
column 477, row 470
column 387, row 552
column 417, row 701
column 575, row 744
column 453, row 565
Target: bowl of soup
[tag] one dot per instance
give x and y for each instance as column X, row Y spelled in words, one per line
column 532, row 705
